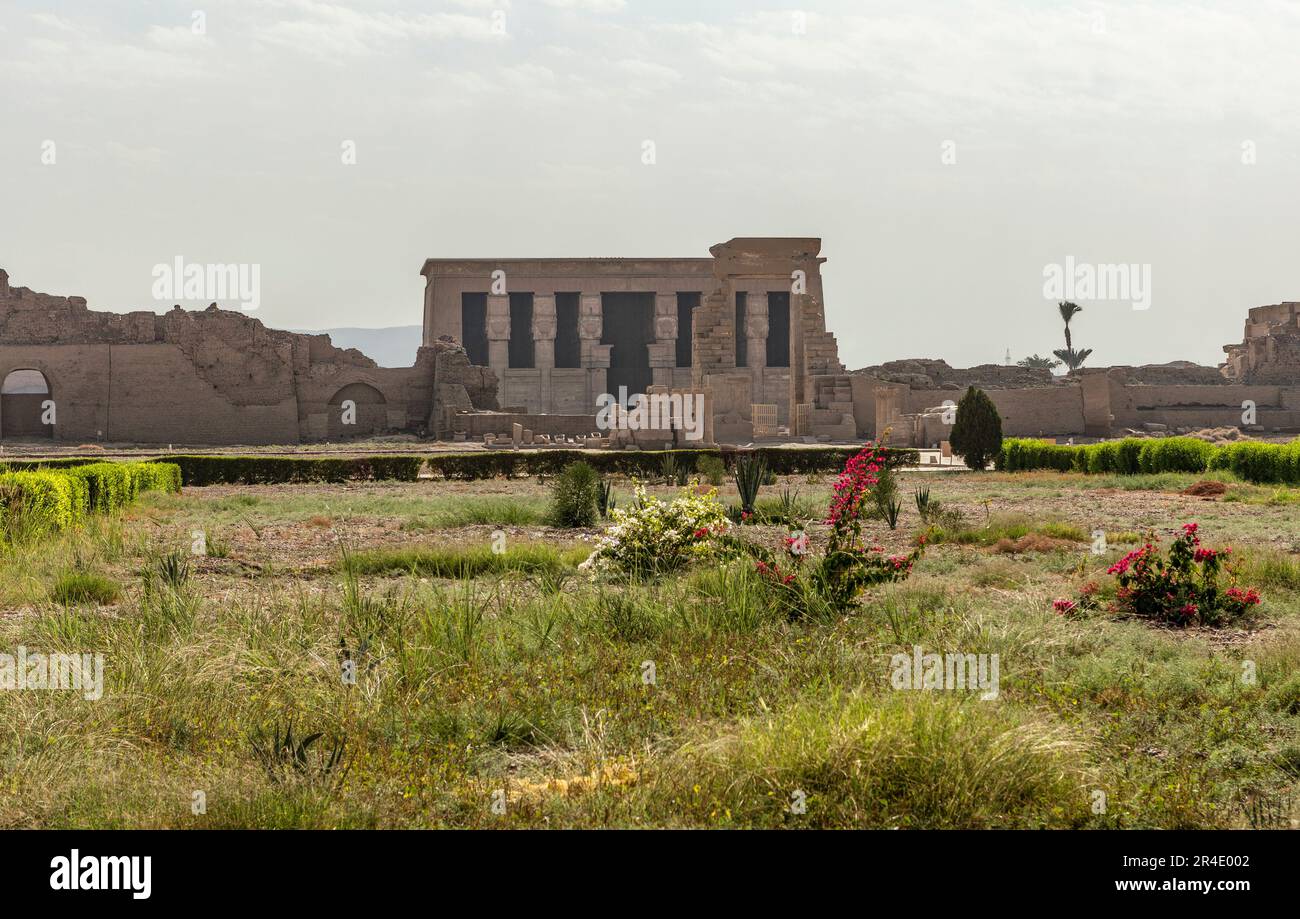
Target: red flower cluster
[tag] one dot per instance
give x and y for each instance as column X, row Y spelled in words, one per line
column 774, row 573
column 852, row 487
column 1247, row 597
column 1181, row 587
column 1138, row 558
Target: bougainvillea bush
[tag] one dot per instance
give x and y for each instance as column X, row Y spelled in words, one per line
column 1191, row 585
column 654, row 536
column 847, row 567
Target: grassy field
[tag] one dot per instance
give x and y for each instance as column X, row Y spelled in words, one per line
column 359, row 656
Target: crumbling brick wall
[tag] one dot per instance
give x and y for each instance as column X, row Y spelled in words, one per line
column 201, row 377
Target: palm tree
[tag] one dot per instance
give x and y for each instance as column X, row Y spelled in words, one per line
column 1072, row 359
column 1068, row 310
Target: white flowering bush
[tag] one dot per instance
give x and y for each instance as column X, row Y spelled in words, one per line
column 653, row 536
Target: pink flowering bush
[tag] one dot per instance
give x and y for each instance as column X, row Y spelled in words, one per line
column 847, row 567
column 1192, row 584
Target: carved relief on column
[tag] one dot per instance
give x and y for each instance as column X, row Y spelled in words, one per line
column 595, row 356
column 498, row 335
column 543, row 332
column 756, row 328
column 666, row 318
column 590, row 320
column 663, row 350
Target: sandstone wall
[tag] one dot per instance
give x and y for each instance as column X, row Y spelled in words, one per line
column 203, row 377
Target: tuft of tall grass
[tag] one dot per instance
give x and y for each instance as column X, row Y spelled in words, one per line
column 907, row 759
column 75, row 588
column 471, row 562
column 1009, row 527
column 1270, row 569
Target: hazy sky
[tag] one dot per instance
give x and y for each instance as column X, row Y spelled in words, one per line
column 1160, row 134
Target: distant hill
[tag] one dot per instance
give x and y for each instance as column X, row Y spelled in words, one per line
column 394, row 346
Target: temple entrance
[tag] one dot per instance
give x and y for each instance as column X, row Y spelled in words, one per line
column 628, row 325
column 22, row 405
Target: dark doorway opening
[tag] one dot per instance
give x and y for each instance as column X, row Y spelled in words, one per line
column 568, row 347
column 628, row 325
column 521, row 351
column 778, row 329
column 687, row 301
column 22, row 405
column 473, row 327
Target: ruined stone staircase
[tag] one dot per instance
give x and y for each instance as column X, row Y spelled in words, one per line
column 833, row 407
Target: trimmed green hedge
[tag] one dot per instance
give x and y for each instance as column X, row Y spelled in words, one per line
column 276, row 470
column 644, row 463
column 1257, row 462
column 103, row 479
column 51, row 500
column 60, row 498
column 1251, row 460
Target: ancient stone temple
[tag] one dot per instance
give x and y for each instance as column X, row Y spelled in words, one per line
column 746, row 326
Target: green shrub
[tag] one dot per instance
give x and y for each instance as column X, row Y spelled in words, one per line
column 575, row 494
column 712, row 469
column 653, row 536
column 977, row 432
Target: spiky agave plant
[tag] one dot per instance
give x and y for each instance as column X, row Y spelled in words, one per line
column 749, row 474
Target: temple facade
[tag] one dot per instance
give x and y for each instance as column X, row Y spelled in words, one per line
column 746, row 326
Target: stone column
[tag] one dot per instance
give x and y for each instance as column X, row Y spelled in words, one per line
column 663, row 350
column 498, row 334
column 798, row 367
column 544, row 347
column 595, row 356
column 756, row 330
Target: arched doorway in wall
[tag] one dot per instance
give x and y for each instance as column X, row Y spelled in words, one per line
column 23, row 395
column 363, row 406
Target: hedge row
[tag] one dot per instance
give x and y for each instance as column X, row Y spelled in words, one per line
column 645, row 463
column 1256, row 462
column 1251, row 460
column 275, row 470
column 471, row 466
column 61, row 498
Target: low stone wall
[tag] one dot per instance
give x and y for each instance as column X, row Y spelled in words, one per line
column 476, row 424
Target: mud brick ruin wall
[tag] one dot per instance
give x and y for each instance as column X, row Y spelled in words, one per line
column 907, row 397
column 208, row 377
